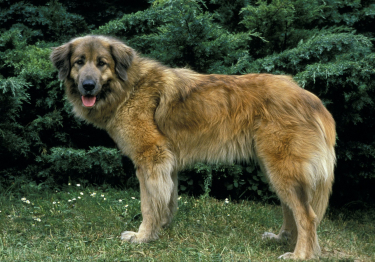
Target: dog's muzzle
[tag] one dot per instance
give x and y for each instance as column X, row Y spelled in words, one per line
column 88, row 96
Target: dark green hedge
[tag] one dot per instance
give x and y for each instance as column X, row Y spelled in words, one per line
column 326, row 45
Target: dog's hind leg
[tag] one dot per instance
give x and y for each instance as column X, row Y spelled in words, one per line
column 288, row 231
column 173, row 202
column 296, row 198
column 285, row 159
column 306, row 222
column 157, row 188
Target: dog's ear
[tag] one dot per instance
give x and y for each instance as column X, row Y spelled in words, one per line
column 123, row 56
column 60, row 57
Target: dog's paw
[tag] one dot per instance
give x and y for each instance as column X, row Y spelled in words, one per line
column 129, row 236
column 134, row 237
column 268, row 235
column 285, row 236
column 288, row 255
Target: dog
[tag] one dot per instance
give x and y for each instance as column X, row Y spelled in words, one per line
column 166, row 119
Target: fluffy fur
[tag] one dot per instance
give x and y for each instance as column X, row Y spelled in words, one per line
column 165, row 119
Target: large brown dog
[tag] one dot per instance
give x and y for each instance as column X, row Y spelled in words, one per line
column 165, row 119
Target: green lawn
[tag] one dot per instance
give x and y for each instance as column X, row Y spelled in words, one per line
column 84, row 224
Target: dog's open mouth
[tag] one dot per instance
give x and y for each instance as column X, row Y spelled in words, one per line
column 88, row 101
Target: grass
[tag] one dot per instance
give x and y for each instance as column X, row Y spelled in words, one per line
column 84, row 224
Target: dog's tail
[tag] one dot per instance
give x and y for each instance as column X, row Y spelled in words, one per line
column 323, row 166
column 320, row 198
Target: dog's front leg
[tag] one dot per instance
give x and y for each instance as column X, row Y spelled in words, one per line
column 157, row 187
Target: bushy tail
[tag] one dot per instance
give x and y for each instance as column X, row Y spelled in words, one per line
column 320, row 199
column 325, row 176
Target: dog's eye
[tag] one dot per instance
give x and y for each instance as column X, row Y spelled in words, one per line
column 101, row 63
column 79, row 62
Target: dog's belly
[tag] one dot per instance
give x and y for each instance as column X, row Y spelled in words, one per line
column 215, row 146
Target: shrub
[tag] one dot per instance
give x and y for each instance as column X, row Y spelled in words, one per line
column 326, row 45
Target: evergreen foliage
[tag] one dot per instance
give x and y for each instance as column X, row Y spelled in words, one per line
column 327, row 46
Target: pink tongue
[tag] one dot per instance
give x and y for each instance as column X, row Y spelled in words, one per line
column 88, row 101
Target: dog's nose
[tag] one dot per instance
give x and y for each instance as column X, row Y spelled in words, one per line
column 88, row 85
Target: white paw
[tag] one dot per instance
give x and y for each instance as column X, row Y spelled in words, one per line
column 129, row 236
column 268, row 235
column 288, row 255
column 282, row 237
column 136, row 237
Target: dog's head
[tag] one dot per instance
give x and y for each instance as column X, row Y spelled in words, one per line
column 90, row 64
